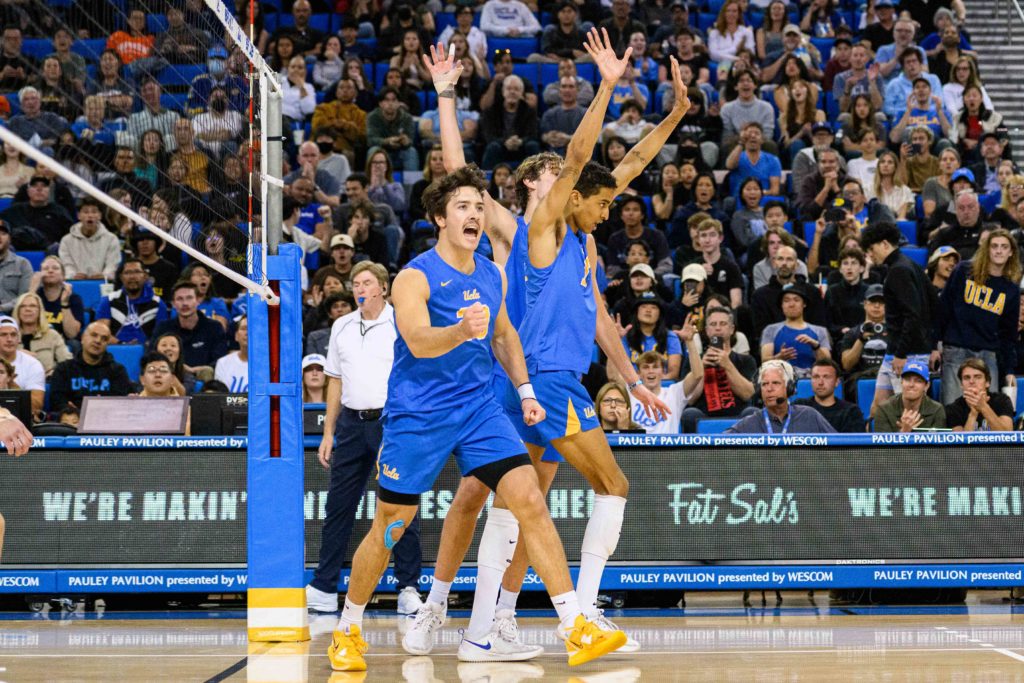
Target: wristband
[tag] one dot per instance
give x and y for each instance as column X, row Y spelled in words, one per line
column 526, row 391
column 633, row 385
column 447, row 92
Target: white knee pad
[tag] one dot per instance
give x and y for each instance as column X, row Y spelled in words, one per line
column 604, row 527
column 498, row 542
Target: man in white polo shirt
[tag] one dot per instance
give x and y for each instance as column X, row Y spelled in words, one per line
column 359, row 358
column 29, row 372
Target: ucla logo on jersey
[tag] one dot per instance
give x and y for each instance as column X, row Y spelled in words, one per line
column 470, row 295
column 586, row 271
column 981, row 296
column 389, row 472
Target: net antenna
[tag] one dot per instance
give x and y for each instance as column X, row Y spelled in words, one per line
column 271, row 186
column 261, row 290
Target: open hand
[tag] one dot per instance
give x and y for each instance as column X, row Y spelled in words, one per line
column 599, row 47
column 444, row 70
column 653, row 406
column 682, row 102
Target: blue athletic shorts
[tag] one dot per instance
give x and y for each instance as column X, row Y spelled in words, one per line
column 568, row 406
column 417, row 445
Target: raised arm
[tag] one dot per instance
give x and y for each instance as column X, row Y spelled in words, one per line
column 644, row 151
column 499, row 223
column 546, row 217
column 409, row 296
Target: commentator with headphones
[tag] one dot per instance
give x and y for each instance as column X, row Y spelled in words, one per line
column 777, row 384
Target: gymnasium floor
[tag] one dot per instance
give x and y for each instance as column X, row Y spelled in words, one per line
column 713, row 639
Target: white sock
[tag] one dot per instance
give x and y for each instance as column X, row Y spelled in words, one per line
column 497, row 544
column 351, row 615
column 568, row 607
column 599, row 541
column 507, row 600
column 439, row 592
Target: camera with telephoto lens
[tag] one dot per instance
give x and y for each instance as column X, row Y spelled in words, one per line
column 872, row 328
column 835, row 214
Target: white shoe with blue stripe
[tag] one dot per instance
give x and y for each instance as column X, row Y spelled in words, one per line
column 501, row 644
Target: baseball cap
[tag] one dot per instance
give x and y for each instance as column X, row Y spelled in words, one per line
column 916, row 367
column 642, row 268
column 217, row 52
column 795, row 288
column 884, row 3
column 874, row 292
column 990, row 134
column 140, row 234
column 342, row 241
column 680, row 3
column 694, row 271
column 962, row 173
column 942, row 251
column 791, row 28
column 820, row 126
column 314, row 359
column 8, row 321
column 648, row 298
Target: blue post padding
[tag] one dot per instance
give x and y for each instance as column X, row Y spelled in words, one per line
column 275, row 498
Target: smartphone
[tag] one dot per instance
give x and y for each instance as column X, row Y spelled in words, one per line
column 716, row 342
column 915, row 148
column 689, row 287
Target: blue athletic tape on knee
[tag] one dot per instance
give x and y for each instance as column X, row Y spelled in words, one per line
column 390, row 542
column 604, row 527
column 498, row 542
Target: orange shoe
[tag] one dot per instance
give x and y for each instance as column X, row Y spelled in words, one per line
column 347, row 649
column 588, row 640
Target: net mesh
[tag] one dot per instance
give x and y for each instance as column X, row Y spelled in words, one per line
column 154, row 105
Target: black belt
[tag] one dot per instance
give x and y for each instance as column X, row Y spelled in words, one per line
column 365, row 415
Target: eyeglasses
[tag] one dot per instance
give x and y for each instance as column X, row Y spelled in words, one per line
column 157, row 370
column 612, row 402
column 505, row 51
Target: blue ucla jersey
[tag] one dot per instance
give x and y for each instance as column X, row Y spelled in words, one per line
column 459, row 376
column 515, row 280
column 560, row 324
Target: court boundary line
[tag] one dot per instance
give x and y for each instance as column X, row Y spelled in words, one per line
column 990, row 647
column 649, row 653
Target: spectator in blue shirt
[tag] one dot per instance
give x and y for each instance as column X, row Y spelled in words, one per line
column 748, row 160
column 793, row 340
column 647, row 331
column 217, row 75
column 899, row 89
column 924, row 108
column 203, row 340
column 134, row 311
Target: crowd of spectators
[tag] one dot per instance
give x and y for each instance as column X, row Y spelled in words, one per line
column 840, row 194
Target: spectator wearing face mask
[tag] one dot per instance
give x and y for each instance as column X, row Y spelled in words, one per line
column 217, row 76
column 219, row 129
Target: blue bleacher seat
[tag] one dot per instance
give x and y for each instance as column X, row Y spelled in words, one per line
column 1019, row 407
column 128, row 355
column 5, row 202
column 705, row 20
column 321, row 22
column 156, row 23
column 772, row 198
column 935, row 389
column 37, row 48
column 380, row 71
column 587, row 71
column 990, row 200
column 90, row 48
column 909, row 230
column 521, row 48
column 527, row 72
column 865, row 395
column 804, row 390
column 824, row 46
column 918, row 255
column 715, row 425
column 809, row 232
column 369, row 43
column 89, row 290
column 34, row 257
column 180, row 75
column 174, row 101
column 12, row 99
column 443, row 20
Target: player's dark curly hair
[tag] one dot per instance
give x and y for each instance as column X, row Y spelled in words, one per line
column 593, row 178
column 437, row 194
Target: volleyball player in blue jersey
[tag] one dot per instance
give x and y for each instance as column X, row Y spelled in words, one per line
column 575, row 412
column 450, row 314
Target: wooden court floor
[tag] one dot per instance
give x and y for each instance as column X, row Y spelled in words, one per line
column 713, row 639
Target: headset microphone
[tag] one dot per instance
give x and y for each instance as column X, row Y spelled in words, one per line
column 780, row 401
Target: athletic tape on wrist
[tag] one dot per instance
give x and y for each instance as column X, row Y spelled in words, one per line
column 526, row 391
